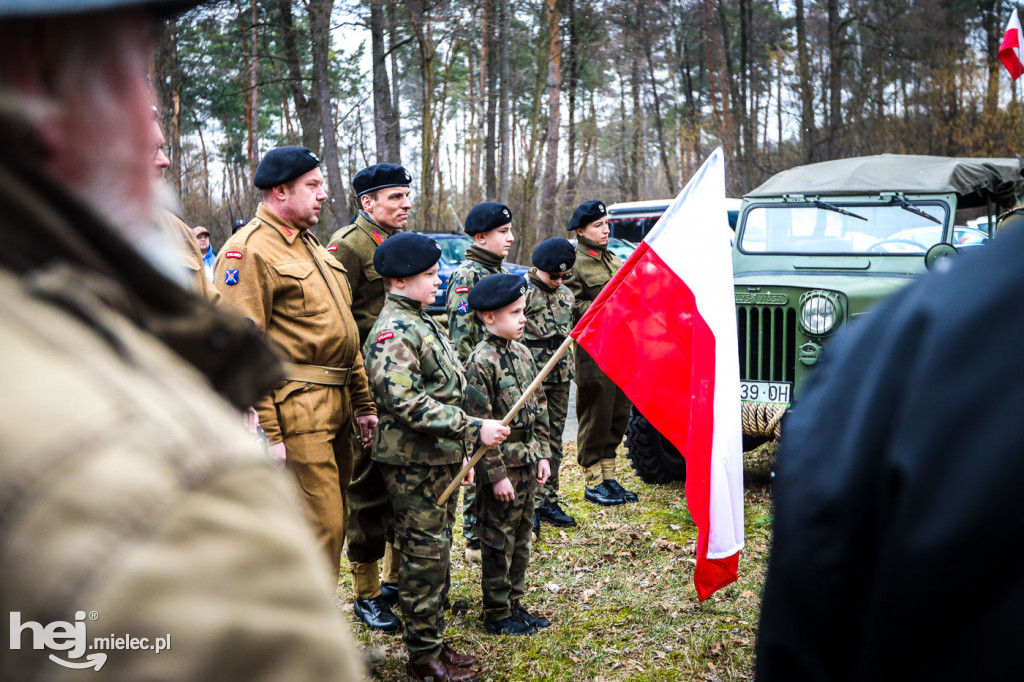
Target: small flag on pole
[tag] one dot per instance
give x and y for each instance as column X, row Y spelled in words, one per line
column 1009, row 49
column 664, row 330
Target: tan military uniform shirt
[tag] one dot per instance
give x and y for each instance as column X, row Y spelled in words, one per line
column 594, row 267
column 354, row 247
column 295, row 291
column 189, row 254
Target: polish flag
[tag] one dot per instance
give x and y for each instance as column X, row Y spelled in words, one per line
column 1009, row 49
column 664, row 330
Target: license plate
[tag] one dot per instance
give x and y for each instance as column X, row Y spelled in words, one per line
column 766, row 391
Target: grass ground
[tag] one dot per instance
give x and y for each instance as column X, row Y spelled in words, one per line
column 619, row 592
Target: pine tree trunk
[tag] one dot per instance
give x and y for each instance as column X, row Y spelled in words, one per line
column 549, row 184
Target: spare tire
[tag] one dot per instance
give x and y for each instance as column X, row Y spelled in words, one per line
column 652, row 456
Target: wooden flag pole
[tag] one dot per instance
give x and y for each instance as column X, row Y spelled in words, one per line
column 530, row 390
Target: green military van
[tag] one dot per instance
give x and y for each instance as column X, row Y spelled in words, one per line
column 818, row 246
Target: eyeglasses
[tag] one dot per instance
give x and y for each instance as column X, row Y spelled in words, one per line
column 165, row 148
column 564, row 276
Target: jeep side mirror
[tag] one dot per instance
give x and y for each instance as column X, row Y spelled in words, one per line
column 940, row 257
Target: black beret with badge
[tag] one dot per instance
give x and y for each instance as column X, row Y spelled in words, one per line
column 405, row 254
column 379, row 176
column 586, row 213
column 554, row 255
column 487, row 215
column 496, row 291
column 284, row 164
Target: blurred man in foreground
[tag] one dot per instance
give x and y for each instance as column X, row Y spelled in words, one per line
column 135, row 504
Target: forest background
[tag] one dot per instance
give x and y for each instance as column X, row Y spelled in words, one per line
column 542, row 104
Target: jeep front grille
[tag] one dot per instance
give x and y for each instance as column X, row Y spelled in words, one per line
column 767, row 342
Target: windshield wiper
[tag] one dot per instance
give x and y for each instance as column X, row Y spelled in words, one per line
column 831, row 207
column 907, row 206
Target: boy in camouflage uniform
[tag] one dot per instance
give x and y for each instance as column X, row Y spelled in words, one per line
column 490, row 225
column 418, row 383
column 499, row 369
column 548, row 323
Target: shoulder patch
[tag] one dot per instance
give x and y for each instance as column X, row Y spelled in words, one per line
column 231, row 278
column 332, row 247
column 233, row 254
column 461, row 290
column 385, row 336
column 464, row 307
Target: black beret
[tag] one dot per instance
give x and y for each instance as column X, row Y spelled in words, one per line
column 380, row 176
column 283, row 164
column 586, row 213
column 485, row 216
column 554, row 255
column 496, row 291
column 37, row 8
column 405, row 254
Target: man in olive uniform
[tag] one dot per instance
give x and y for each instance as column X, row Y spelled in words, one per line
column 276, row 273
column 489, row 223
column 601, row 406
column 422, row 438
column 498, row 370
column 383, row 192
column 548, row 323
column 130, row 488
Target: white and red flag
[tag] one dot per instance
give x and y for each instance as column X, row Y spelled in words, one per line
column 664, row 330
column 1009, row 49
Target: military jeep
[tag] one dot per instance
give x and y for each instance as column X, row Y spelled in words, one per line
column 815, row 248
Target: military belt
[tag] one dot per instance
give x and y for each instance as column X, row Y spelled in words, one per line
column 315, row 374
column 552, row 343
column 519, row 436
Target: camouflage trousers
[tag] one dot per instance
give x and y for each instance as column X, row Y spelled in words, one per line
column 506, row 534
column 558, row 407
column 602, row 409
column 469, row 518
column 423, row 541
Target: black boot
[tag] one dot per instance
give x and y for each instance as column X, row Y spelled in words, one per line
column 626, row 495
column 522, row 614
column 509, row 626
column 552, row 513
column 603, row 495
column 377, row 614
column 390, row 593
column 536, row 526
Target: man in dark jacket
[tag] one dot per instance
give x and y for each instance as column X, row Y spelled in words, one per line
column 898, row 551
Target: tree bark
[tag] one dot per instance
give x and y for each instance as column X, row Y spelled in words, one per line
column 490, row 65
column 305, row 107
column 384, row 117
column 549, row 184
column 503, row 103
column 320, row 34
column 806, row 87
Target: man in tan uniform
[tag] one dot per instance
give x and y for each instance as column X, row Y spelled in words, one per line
column 383, row 191
column 276, row 273
column 135, row 503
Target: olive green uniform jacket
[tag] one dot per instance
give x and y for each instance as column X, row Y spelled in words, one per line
column 464, row 327
column 354, row 247
column 129, row 486
column 601, row 406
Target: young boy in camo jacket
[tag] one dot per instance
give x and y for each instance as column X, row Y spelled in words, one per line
column 419, row 387
column 548, row 323
column 499, row 370
column 489, row 224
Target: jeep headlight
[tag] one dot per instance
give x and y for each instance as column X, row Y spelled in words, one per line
column 818, row 312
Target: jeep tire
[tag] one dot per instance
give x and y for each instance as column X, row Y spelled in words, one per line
column 653, row 458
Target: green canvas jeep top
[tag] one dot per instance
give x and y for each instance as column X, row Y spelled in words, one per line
column 818, row 246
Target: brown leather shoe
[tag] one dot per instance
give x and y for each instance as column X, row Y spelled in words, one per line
column 439, row 671
column 458, row 660
column 432, row 671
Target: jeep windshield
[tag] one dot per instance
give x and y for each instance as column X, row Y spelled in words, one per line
column 834, row 227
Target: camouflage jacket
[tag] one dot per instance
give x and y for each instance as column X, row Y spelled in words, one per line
column 548, row 322
column 594, row 266
column 499, row 371
column 354, row 247
column 419, row 386
column 464, row 327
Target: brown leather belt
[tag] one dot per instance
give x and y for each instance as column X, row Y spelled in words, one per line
column 315, row 374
